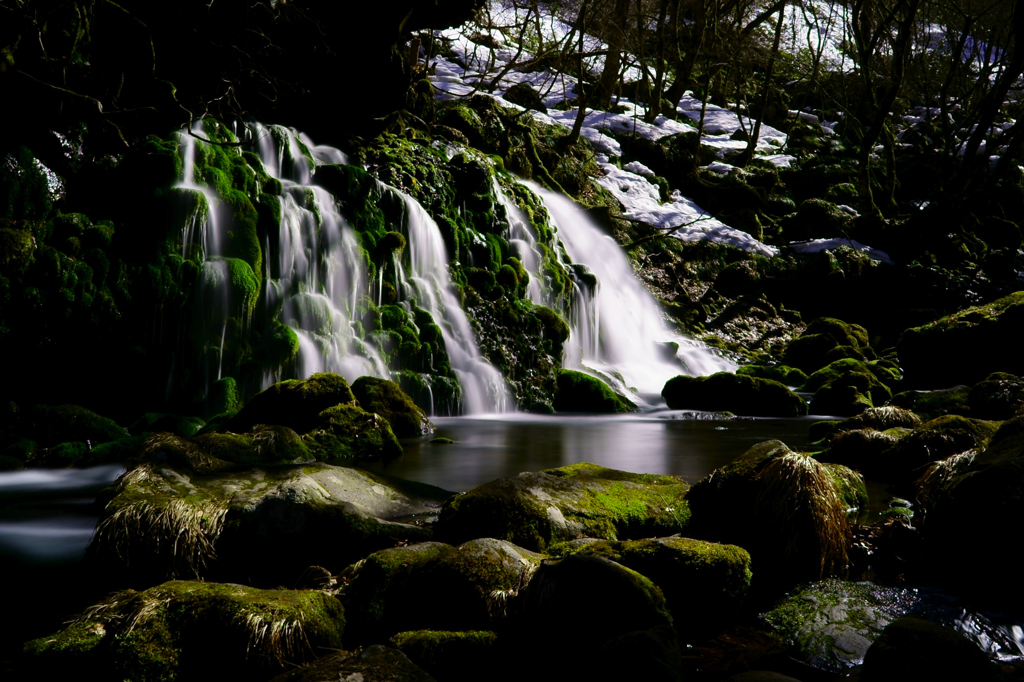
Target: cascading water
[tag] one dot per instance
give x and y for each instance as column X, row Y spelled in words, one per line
column 316, row 283
column 617, row 328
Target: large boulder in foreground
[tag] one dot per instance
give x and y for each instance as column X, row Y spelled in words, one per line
column 736, row 393
column 786, row 508
column 388, row 400
column 191, row 630
column 260, row 525
column 914, row 649
column 965, row 347
column 534, row 510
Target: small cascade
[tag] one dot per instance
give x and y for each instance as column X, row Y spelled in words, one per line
column 483, row 387
column 617, row 328
column 315, row 274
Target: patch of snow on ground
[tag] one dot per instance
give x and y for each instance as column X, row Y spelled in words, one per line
column 816, row 245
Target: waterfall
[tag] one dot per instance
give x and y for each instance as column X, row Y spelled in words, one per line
column 317, row 283
column 618, row 331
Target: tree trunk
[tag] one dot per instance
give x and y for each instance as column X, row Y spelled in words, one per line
column 616, row 28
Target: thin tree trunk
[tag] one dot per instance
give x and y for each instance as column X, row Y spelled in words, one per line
column 748, row 153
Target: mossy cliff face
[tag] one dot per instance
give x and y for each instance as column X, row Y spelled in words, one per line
column 191, row 630
column 535, row 510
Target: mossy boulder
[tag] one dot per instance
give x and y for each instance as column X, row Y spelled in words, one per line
column 376, row 577
column 847, row 387
column 579, row 392
column 438, row 588
column 931, row 404
column 263, row 525
column 1000, row 396
column 704, row 583
column 193, row 630
column 296, row 404
column 350, row 433
column 53, row 424
column 535, row 510
column 825, row 340
column 457, row 656
column 388, row 400
column 784, row 374
column 965, row 347
column 785, row 508
column 737, row 393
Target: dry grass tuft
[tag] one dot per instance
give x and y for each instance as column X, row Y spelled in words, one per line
column 797, row 493
column 274, row 638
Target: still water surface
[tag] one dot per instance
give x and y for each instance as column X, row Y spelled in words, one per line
column 686, row 444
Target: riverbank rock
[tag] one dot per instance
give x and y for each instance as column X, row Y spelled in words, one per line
column 534, row 510
column 579, row 392
column 965, row 347
column 190, row 630
column 784, row 374
column 389, row 401
column 260, row 525
column 736, row 393
column 437, row 587
column 826, row 340
column 785, row 508
column 704, row 583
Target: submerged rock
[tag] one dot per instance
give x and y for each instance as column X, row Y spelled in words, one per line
column 786, row 508
column 737, row 393
column 534, row 510
column 264, row 525
column 192, row 630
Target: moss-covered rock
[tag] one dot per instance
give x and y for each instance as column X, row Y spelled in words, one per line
column 784, row 374
column 825, row 340
column 388, row 400
column 264, row 525
column 375, row 579
column 457, row 656
column 787, row 509
column 831, row 623
column 579, row 392
column 296, row 404
column 178, row 425
column 193, row 630
column 440, row 588
column 965, row 347
column 737, row 393
column 704, row 583
column 350, row 433
column 999, row 396
column 847, row 387
column 534, row 510
column 931, row 404
column 52, row 424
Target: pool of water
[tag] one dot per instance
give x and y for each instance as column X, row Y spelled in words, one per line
column 685, row 444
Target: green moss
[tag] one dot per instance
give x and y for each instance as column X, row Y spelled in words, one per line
column 387, row 399
column 737, row 393
column 579, row 392
column 181, row 630
column 790, row 376
column 293, row 403
column 448, row 655
column 350, row 433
